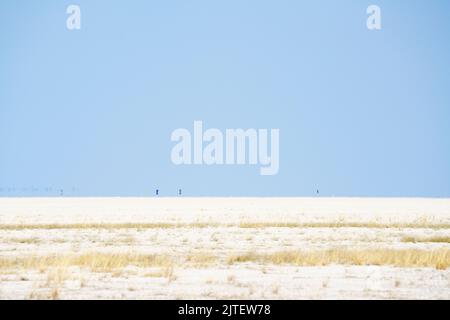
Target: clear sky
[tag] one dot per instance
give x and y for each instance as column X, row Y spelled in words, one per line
column 91, row 111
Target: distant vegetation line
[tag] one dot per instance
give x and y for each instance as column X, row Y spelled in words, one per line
column 255, row 225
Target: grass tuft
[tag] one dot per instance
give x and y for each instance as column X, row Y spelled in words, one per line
column 435, row 239
column 102, row 262
column 439, row 259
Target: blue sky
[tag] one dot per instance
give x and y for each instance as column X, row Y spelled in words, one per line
column 360, row 113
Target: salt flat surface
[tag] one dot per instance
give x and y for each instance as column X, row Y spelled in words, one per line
column 222, row 239
column 228, row 210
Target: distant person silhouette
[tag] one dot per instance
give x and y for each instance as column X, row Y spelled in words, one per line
column 157, row 191
column 179, row 192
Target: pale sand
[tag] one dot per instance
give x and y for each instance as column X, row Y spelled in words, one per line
column 427, row 218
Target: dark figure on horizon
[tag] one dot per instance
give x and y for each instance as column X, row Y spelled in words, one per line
column 179, row 192
column 157, row 191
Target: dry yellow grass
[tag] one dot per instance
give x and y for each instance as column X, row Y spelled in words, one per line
column 57, row 276
column 95, row 261
column 165, row 272
column 439, row 259
column 137, row 225
column 167, row 225
column 343, row 224
column 104, row 262
column 33, row 240
column 201, row 259
column 436, row 239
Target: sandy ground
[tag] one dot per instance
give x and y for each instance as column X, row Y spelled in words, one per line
column 212, row 227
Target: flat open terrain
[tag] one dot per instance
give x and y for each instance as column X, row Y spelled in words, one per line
column 190, row 248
